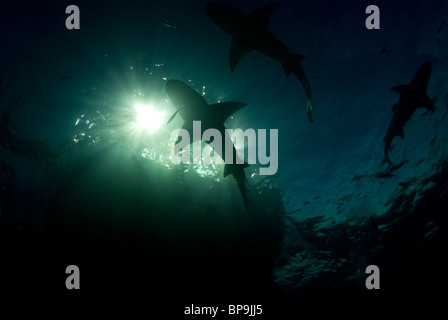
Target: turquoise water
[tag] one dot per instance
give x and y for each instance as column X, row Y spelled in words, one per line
column 83, row 183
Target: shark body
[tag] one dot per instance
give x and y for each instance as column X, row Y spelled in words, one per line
column 193, row 107
column 413, row 96
column 250, row 32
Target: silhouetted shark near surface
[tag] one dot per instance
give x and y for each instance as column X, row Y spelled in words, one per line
column 413, row 96
column 250, row 32
column 193, row 107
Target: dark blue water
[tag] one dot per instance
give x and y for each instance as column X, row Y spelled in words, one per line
column 83, row 184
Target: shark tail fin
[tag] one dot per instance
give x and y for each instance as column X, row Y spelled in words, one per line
column 309, row 110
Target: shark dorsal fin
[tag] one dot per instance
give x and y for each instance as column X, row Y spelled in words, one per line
column 419, row 82
column 237, row 51
column 261, row 15
column 181, row 95
column 421, row 78
column 401, row 88
column 223, row 110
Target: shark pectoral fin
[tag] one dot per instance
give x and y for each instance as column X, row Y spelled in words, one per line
column 237, row 171
column 309, row 111
column 175, row 113
column 224, row 110
column 286, row 70
column 299, row 57
column 401, row 89
column 230, row 168
column 237, row 51
column 429, row 104
column 261, row 15
column 227, row 170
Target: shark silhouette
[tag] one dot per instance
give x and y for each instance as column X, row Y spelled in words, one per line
column 193, row 107
column 413, row 96
column 250, row 32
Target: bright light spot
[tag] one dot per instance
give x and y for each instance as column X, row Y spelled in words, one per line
column 148, row 117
